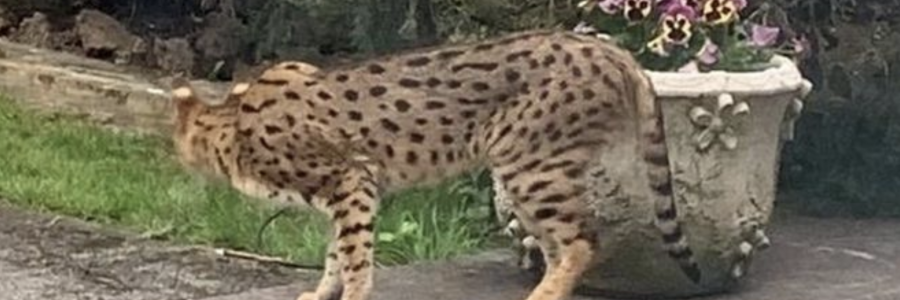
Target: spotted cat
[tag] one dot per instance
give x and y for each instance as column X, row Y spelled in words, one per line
column 538, row 108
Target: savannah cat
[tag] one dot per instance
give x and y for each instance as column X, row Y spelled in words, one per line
column 537, row 108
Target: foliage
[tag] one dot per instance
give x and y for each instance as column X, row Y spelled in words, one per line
column 314, row 30
column 307, row 30
column 846, row 158
column 464, row 20
column 458, row 214
column 669, row 35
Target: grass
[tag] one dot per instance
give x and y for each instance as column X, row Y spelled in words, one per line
column 67, row 166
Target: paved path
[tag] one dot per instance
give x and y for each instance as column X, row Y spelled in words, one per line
column 48, row 259
column 811, row 259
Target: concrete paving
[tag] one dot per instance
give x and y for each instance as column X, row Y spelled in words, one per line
column 48, row 258
column 810, row 259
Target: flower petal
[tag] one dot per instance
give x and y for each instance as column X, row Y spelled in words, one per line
column 709, row 53
column 689, row 67
column 701, row 117
column 728, row 139
column 658, row 46
column 704, row 139
column 801, row 46
column 680, row 8
column 763, row 36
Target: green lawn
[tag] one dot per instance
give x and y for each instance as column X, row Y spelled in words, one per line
column 67, row 166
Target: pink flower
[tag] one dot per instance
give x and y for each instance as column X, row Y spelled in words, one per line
column 801, row 46
column 763, row 36
column 709, row 53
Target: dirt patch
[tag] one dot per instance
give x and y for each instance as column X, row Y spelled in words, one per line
column 47, row 257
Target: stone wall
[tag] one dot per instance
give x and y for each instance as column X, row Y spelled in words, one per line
column 107, row 93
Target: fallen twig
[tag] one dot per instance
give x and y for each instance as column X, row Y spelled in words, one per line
column 264, row 259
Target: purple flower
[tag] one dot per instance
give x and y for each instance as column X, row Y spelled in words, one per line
column 763, row 36
column 709, row 53
column 668, row 4
column 680, row 8
column 695, row 4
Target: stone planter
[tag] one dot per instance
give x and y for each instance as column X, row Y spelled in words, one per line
column 724, row 132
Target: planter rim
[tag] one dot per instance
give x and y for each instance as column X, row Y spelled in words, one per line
column 783, row 77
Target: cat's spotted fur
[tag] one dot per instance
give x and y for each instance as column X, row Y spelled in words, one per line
column 537, row 108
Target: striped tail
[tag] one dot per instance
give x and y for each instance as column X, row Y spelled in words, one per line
column 655, row 154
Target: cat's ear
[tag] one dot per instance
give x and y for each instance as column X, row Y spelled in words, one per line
column 183, row 95
column 237, row 91
column 299, row 66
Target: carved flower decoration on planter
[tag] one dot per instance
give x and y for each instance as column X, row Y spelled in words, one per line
column 718, row 126
column 693, row 35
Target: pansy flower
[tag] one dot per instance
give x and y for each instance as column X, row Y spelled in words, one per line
column 636, row 10
column 717, row 12
column 677, row 24
column 763, row 36
column 709, row 53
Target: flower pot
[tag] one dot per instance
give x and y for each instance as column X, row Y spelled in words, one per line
column 724, row 133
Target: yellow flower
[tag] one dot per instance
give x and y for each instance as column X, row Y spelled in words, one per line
column 677, row 24
column 717, row 12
